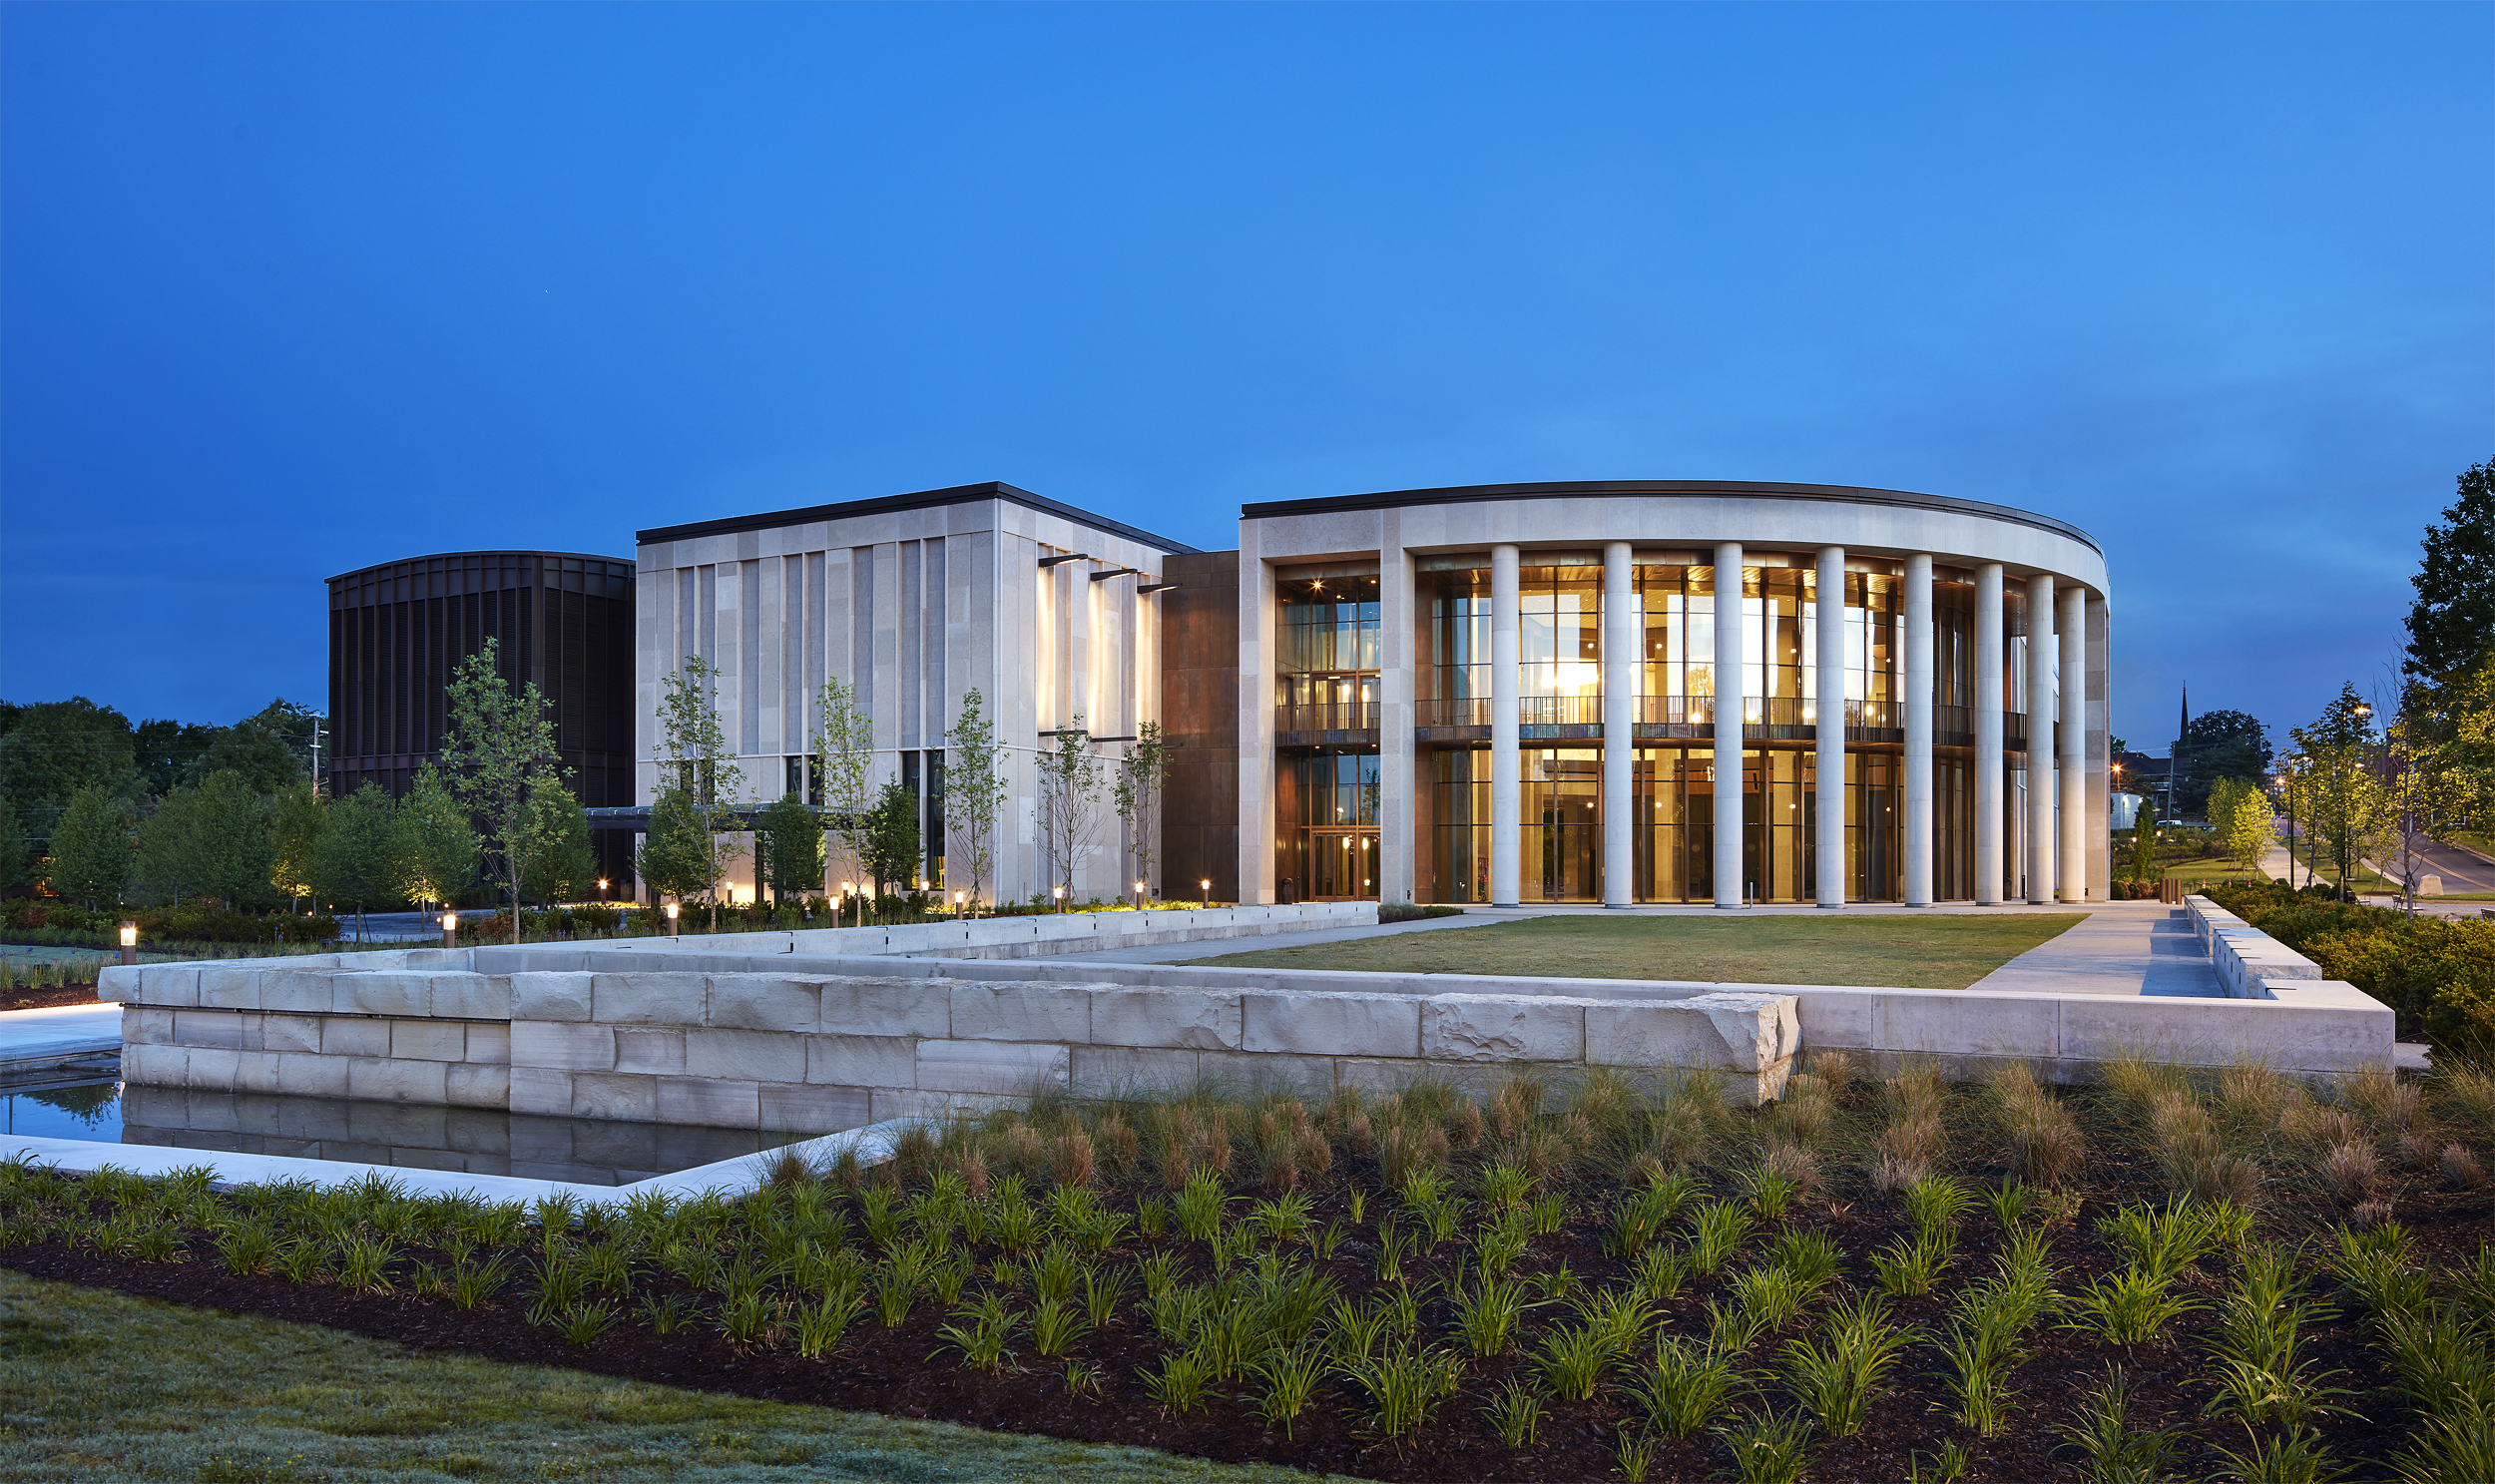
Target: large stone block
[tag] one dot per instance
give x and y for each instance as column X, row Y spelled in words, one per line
column 542, row 1090
column 388, row 1079
column 229, row 988
column 156, row 1065
column 861, row 1061
column 257, row 1071
column 290, row 1032
column 209, row 1028
column 386, row 992
column 549, row 996
column 490, row 1044
column 757, row 1002
column 353, row 1035
column 1198, row 1019
column 127, row 986
column 306, row 1073
column 1730, row 1030
column 720, row 1103
column 611, row 1094
column 303, row 991
column 887, row 1007
column 649, row 1051
column 1330, row 1024
column 1961, row 1025
column 172, row 985
column 993, row 1066
column 755, row 1056
column 1115, row 1071
column 428, row 1040
column 467, row 1084
column 474, row 996
column 812, row 1110
column 563, row 1045
column 907, row 1102
column 650, row 999
column 1502, row 1028
column 1021, row 1012
column 1244, row 1070
column 145, row 1025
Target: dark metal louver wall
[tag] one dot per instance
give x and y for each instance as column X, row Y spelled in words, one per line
column 397, row 631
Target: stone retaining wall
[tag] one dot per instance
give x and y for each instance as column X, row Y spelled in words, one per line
column 2244, row 957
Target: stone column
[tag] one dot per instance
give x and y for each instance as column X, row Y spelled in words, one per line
column 1505, row 837
column 2071, row 766
column 1398, row 841
column 1620, row 642
column 2040, row 716
column 2100, row 722
column 1918, row 831
column 1989, row 705
column 1830, row 638
column 1730, row 690
column 1258, row 767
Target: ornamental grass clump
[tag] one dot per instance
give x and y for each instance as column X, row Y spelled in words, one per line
column 1836, row 1377
column 2042, row 1133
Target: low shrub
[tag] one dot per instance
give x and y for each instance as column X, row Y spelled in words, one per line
column 1416, row 911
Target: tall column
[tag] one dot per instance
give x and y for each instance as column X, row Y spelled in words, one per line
column 2100, row 723
column 1989, row 705
column 1398, row 842
column 1620, row 642
column 1506, row 839
column 1919, row 842
column 2071, row 769
column 1830, row 638
column 1730, row 690
column 2041, row 794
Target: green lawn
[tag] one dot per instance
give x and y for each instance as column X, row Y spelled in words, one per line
column 97, row 1385
column 1941, row 953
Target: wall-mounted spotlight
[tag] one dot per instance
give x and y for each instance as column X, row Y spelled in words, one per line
column 1072, row 555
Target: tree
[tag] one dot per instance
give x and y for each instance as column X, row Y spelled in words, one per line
column 844, row 759
column 675, row 857
column 166, row 869
column 14, row 847
column 56, row 749
column 498, row 757
column 2346, row 804
column 974, row 792
column 2220, row 745
column 564, row 867
column 2240, row 814
column 790, row 847
column 90, row 848
column 269, row 748
column 892, row 848
column 355, row 862
column 2452, row 622
column 294, row 822
column 1070, row 781
column 170, row 754
column 694, row 758
column 434, row 849
column 234, row 857
column 1143, row 775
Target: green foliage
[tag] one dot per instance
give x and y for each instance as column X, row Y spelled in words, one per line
column 890, row 846
column 2437, row 973
column 91, row 859
column 974, row 793
column 56, row 749
column 1836, row 1377
column 354, row 862
column 2117, row 1453
column 1767, row 1447
column 171, row 754
column 564, row 867
column 2240, row 814
column 294, row 820
column 498, row 755
column 270, row 749
column 2220, row 745
column 2452, row 622
column 1143, row 773
column 675, row 857
column 15, row 848
column 212, row 840
column 1070, row 784
column 433, row 847
column 790, row 847
column 844, row 759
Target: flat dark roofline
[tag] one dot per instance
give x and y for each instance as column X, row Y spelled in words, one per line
column 1465, row 494
column 960, row 494
column 499, row 551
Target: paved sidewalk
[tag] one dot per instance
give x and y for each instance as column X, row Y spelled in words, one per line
column 2124, row 948
column 38, row 1040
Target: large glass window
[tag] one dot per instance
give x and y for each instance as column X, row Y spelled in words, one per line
column 1329, row 647
column 1677, row 614
column 1460, row 817
column 1328, row 818
column 1458, row 638
column 1562, row 818
column 1560, row 645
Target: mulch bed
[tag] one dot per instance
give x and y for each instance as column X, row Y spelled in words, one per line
column 910, row 1373
column 23, row 997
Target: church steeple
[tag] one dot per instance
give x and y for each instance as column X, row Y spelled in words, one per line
column 2183, row 728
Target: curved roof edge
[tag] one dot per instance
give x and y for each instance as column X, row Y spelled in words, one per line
column 959, row 494
column 1577, row 489
column 491, row 551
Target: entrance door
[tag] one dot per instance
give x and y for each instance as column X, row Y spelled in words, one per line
column 1342, row 863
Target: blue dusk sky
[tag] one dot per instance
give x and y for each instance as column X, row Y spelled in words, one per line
column 285, row 291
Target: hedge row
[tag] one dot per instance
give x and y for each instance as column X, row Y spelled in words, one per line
column 191, row 922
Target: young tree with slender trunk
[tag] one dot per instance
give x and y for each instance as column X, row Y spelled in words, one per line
column 1143, row 776
column 565, row 864
column 892, row 849
column 354, row 864
column 845, row 763
column 498, row 755
column 2240, row 814
column 974, row 792
column 1070, row 784
column 694, row 758
column 791, row 846
column 2345, row 801
column 91, row 849
column 432, row 846
column 294, row 821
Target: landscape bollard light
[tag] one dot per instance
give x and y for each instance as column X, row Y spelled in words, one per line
column 1206, row 887
column 130, row 944
column 602, row 890
column 1139, row 896
column 961, row 903
column 671, row 908
column 450, row 929
column 1059, row 893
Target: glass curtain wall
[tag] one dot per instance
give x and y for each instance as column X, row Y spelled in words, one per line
column 1328, row 815
column 1677, row 614
column 1327, row 802
column 1456, row 663
column 1560, row 646
column 1461, row 830
column 1562, row 824
column 1329, row 637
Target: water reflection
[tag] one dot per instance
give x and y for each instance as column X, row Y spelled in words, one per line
column 473, row 1140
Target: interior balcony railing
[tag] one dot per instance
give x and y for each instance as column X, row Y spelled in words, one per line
column 1327, row 723
column 1458, row 710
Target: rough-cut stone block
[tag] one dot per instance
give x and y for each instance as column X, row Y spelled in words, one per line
column 540, row 1091
column 255, row 1071
column 155, row 1065
column 1200, row 1019
column 547, row 996
column 1379, row 1074
column 387, row 993
column 563, row 1045
column 650, row 999
column 1330, row 1024
column 306, row 1073
column 229, row 988
column 607, row 1095
column 861, row 1061
column 388, row 1079
column 718, row 1103
column 174, row 985
column 474, row 996
column 887, row 1007
column 756, row 1002
column 289, row 1032
column 467, row 1084
column 352, row 1035
column 210, row 1067
column 997, row 1067
column 651, row 1051
column 813, row 1110
column 1502, row 1028
column 144, row 1025
column 1021, row 1012
column 906, row 1102
column 428, row 1040
column 1110, row 1071
column 303, row 991
column 755, row 1056
column 1246, row 1069
column 126, row 986
column 209, row 1028
column 489, row 1044
column 1730, row 1030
